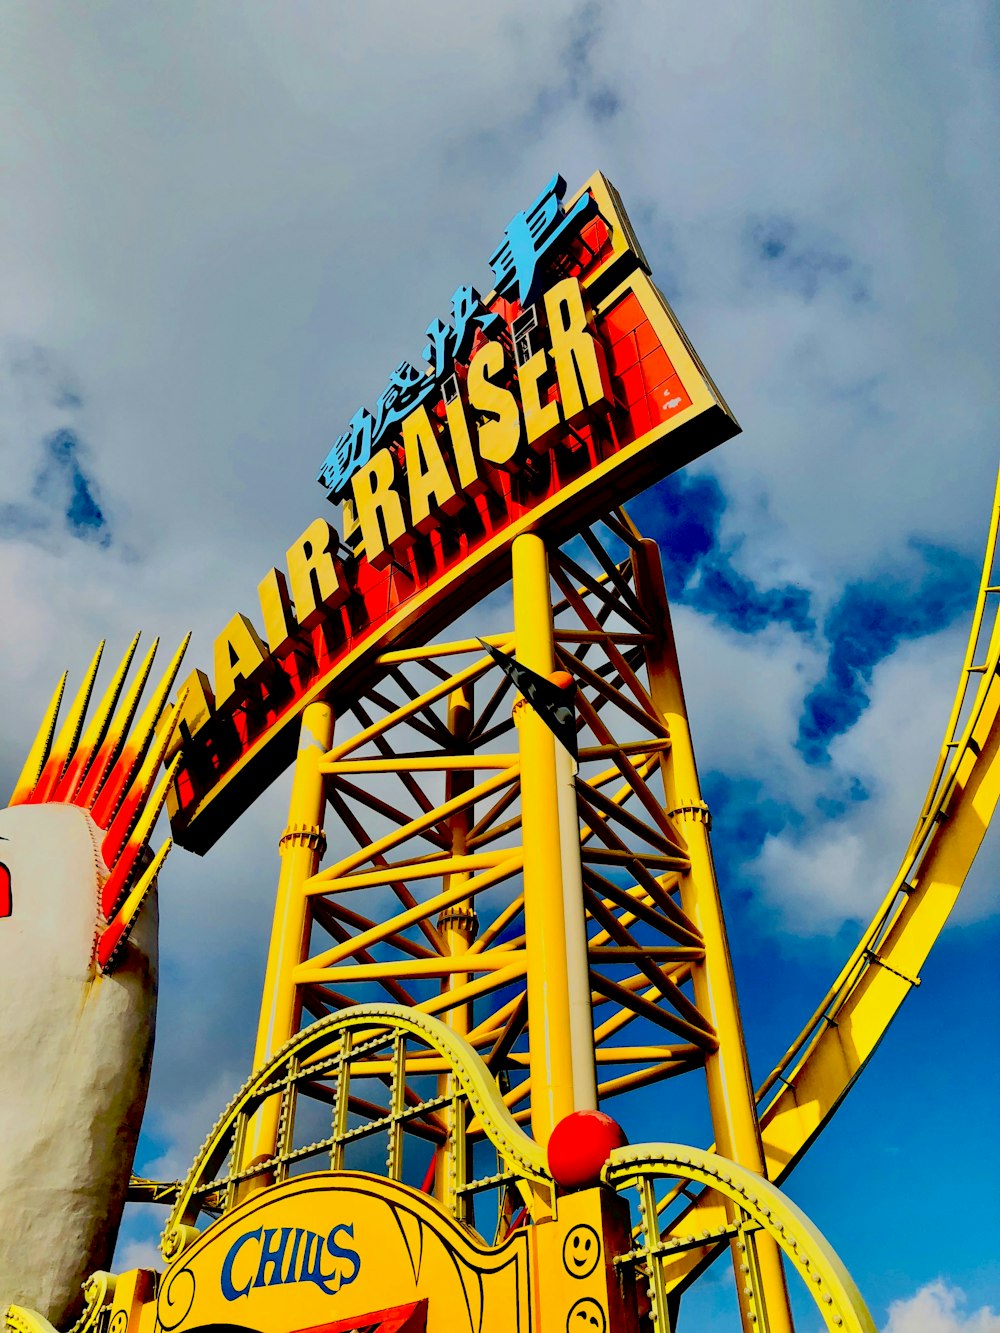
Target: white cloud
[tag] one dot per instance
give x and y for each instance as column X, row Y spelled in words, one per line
column 138, row 1254
column 227, row 225
column 839, row 868
column 744, row 695
column 939, row 1307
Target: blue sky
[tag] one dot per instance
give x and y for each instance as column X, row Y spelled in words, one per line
column 226, row 226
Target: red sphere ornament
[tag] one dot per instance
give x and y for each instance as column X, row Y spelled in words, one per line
column 580, row 1145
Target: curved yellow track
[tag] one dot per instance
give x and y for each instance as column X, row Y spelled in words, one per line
column 757, row 1204
column 521, row 1153
column 824, row 1062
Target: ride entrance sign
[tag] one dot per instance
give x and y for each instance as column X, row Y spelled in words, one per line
column 562, row 393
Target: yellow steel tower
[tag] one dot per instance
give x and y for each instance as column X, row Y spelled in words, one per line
column 583, row 957
column 497, row 911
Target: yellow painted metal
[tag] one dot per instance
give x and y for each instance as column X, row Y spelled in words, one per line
column 40, row 747
column 576, row 1287
column 300, row 849
column 98, row 1291
column 555, row 1020
column 435, row 867
column 811, row 1080
column 575, row 918
column 760, row 1215
column 312, row 1049
column 730, row 1090
column 421, row 764
column 422, row 847
column 559, row 1242
column 21, row 1320
column 441, row 902
column 414, row 967
column 457, row 925
column 376, row 1247
column 483, row 813
column 419, row 825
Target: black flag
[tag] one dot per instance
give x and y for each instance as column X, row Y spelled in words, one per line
column 550, row 702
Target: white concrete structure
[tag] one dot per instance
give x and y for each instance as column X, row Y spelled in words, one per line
column 75, row 1052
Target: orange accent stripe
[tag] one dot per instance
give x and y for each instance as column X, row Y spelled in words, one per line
column 62, row 750
column 117, row 931
column 115, row 744
column 39, row 752
column 132, row 803
column 117, row 784
column 125, row 857
column 76, row 769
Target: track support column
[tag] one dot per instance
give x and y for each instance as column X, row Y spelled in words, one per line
column 559, row 1011
column 730, row 1090
column 457, row 925
column 301, row 849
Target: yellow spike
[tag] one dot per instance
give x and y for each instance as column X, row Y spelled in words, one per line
column 147, row 726
column 143, row 883
column 97, row 727
column 122, row 830
column 150, row 719
column 39, row 751
column 119, row 927
column 151, row 811
column 69, row 733
column 118, row 731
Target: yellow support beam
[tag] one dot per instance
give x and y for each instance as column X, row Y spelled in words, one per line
column 300, row 848
column 730, row 1090
column 555, row 979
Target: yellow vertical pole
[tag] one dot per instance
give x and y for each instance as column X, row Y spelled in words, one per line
column 458, row 925
column 581, row 1010
column 301, row 849
column 555, row 970
column 730, row 1090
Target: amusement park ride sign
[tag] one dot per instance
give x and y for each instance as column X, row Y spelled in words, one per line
column 566, row 390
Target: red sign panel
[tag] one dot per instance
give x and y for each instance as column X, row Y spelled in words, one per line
column 400, row 1319
column 560, row 413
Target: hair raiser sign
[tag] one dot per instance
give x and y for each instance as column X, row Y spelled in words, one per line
column 517, row 264
column 543, row 405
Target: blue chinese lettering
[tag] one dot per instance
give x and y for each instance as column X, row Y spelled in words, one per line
column 439, row 353
column 350, row 451
column 517, row 263
column 531, row 235
column 468, row 313
column 449, row 343
column 408, row 387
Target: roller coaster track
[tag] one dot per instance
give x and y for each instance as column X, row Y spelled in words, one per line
column 821, row 1066
column 801, row 1094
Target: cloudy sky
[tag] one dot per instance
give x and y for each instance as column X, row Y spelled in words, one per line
column 222, row 225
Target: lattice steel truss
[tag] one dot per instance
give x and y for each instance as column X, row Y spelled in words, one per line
column 580, row 949
column 426, row 908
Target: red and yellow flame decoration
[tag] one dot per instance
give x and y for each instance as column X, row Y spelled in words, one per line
column 110, row 771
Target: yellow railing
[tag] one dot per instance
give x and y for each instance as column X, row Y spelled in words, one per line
column 334, row 1064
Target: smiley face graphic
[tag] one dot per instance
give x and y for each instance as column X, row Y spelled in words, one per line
column 581, row 1250
column 586, row 1316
